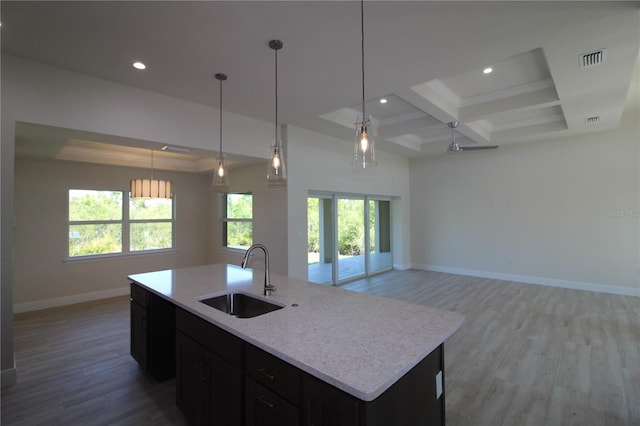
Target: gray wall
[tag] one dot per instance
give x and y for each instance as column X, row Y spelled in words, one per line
column 42, row 277
column 269, row 220
column 560, row 212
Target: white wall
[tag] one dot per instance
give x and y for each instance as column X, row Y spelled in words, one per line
column 36, row 93
column 42, row 277
column 319, row 163
column 560, row 212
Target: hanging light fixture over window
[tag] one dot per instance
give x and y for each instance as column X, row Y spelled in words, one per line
column 221, row 173
column 151, row 188
column 364, row 150
column 277, row 171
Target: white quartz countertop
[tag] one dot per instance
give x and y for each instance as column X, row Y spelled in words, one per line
column 359, row 343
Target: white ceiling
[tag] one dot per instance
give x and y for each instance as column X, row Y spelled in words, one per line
column 426, row 58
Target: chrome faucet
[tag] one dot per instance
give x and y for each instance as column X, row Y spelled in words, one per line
column 268, row 288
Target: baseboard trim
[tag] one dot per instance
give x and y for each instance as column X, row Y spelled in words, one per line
column 8, row 377
column 68, row 300
column 401, row 267
column 527, row 279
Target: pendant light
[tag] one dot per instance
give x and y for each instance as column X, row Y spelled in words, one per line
column 151, row 188
column 364, row 150
column 277, row 171
column 221, row 173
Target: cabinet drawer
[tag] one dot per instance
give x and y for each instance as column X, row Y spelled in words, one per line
column 263, row 407
column 224, row 344
column 272, row 372
column 139, row 295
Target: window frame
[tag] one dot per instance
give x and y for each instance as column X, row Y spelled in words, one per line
column 226, row 220
column 125, row 223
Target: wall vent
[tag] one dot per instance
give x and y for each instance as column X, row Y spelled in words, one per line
column 593, row 58
column 593, row 120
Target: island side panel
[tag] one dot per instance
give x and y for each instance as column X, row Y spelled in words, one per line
column 415, row 398
column 152, row 333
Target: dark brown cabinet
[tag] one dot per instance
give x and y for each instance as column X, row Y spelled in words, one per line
column 266, row 408
column 209, row 385
column 152, row 333
column 139, row 336
column 326, row 405
column 272, row 390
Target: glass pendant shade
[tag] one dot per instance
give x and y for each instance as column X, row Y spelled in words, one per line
column 364, row 154
column 221, row 174
column 277, row 170
column 151, row 188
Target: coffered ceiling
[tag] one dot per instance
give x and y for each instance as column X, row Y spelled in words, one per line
column 425, row 58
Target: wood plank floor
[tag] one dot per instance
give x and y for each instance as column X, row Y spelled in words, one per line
column 526, row 355
column 74, row 368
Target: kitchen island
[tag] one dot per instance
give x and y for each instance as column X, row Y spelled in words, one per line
column 342, row 357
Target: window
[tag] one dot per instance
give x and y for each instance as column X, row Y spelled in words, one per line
column 150, row 223
column 109, row 222
column 238, row 222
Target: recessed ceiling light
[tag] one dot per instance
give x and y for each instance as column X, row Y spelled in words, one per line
column 487, row 70
column 383, row 100
column 139, row 65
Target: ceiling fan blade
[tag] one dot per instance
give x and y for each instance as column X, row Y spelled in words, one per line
column 478, row 148
column 455, row 147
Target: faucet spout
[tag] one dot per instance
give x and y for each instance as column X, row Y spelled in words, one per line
column 268, row 288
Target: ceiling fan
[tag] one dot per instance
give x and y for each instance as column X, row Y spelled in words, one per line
column 455, row 147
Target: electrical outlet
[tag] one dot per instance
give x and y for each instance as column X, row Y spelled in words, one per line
column 439, row 384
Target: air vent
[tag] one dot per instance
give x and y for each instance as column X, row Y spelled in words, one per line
column 593, row 58
column 175, row 149
column 593, row 120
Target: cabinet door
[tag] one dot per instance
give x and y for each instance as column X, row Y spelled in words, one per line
column 139, row 337
column 223, row 392
column 325, row 405
column 190, row 378
column 265, row 408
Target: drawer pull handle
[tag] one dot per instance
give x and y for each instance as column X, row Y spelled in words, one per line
column 266, row 402
column 266, row 374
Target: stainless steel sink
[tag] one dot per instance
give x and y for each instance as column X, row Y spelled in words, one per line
column 241, row 305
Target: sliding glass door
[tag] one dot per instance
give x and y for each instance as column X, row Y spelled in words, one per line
column 349, row 236
column 380, row 235
column 320, row 239
column 351, row 232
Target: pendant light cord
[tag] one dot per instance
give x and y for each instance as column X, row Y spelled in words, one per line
column 362, row 51
column 220, row 119
column 276, row 131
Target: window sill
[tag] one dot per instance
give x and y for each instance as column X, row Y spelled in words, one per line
column 100, row 257
column 234, row 251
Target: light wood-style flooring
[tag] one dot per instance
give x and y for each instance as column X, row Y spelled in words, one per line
column 529, row 354
column 525, row 355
